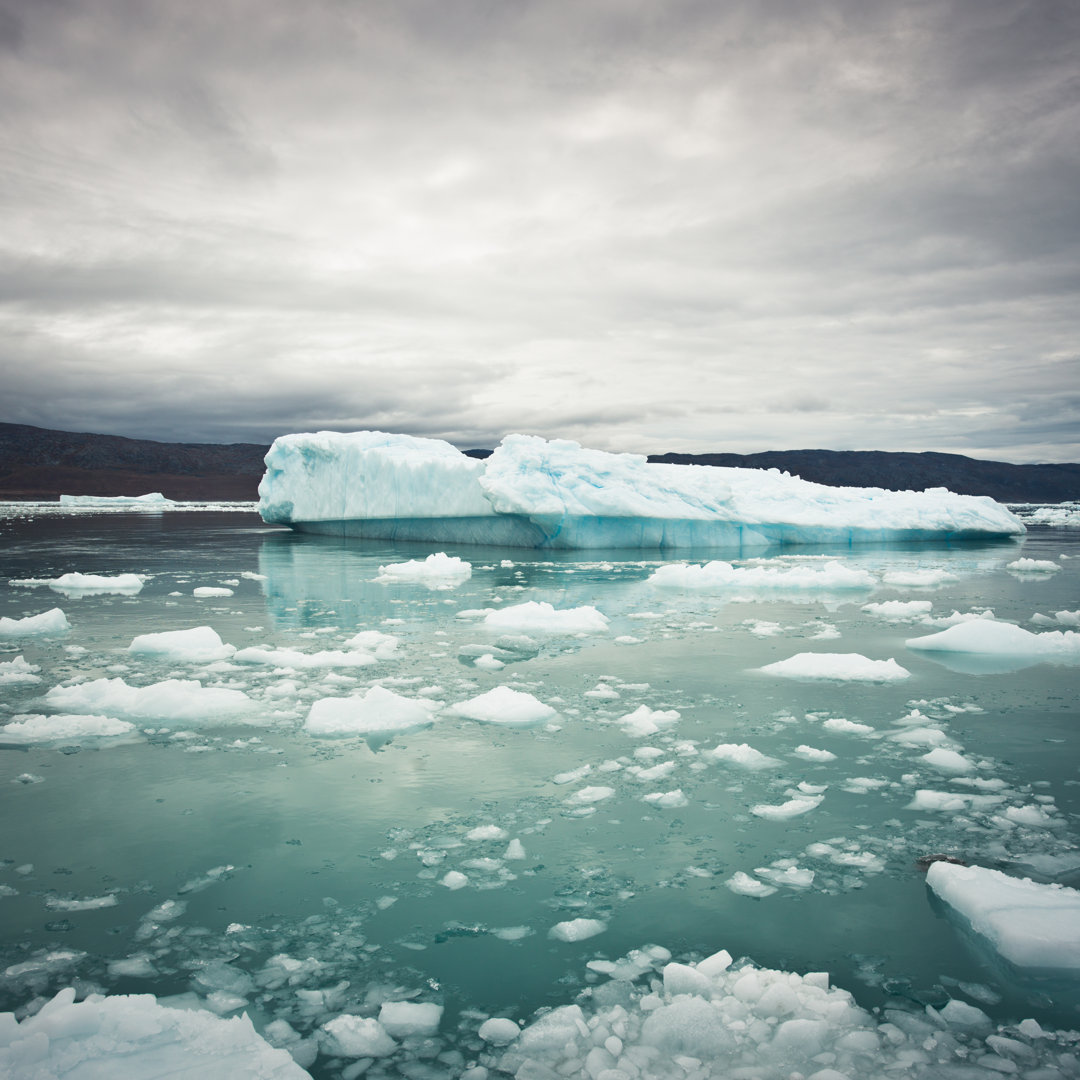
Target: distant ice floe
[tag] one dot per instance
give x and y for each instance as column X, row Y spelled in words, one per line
column 577, row 930
column 742, row 755
column 534, row 493
column 294, row 658
column 1059, row 514
column 540, row 617
column 438, row 571
column 1030, row 924
column 1032, row 567
column 840, row 667
column 76, row 585
column 53, row 621
column 135, row 1036
column 18, row 672
column 1061, row 618
column 899, row 610
column 920, row 579
column 152, row 501
column 502, row 705
column 208, row 592
column 722, row 576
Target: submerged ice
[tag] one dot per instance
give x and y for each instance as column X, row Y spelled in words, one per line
column 536, row 493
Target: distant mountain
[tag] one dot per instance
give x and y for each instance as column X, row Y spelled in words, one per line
column 37, row 463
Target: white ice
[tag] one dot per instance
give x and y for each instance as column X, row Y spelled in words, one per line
column 841, row 667
column 535, row 493
column 63, row 726
column 437, row 571
column 540, row 617
column 741, row 754
column 75, row 584
column 577, row 929
column 502, row 705
column 133, row 1036
column 53, row 621
column 18, row 671
column 174, row 699
column 720, row 576
column 199, row 644
column 990, row 637
column 377, row 711
column 153, row 499
column 1030, row 924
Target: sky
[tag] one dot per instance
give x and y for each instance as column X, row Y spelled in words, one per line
column 686, row 225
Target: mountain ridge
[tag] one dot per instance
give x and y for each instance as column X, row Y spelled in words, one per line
column 42, row 463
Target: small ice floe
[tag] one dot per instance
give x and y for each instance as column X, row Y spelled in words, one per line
column 812, row 753
column 63, row 727
column 186, row 700
column 437, row 571
column 794, row 807
column 743, row 884
column 644, row 721
column 742, row 755
column 197, row 645
column 667, row 800
column 75, row 585
column 838, row 667
column 207, row 592
column 899, row 610
column 577, row 929
column 502, row 705
column 18, row 672
column 53, row 621
column 1023, row 568
column 378, row 712
column 720, row 576
column 1030, row 924
column 539, row 617
column 993, row 638
column 1061, row 618
column 928, row 578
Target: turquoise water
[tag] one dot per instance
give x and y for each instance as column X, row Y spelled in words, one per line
column 335, row 849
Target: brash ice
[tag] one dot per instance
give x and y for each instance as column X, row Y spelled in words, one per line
column 536, row 493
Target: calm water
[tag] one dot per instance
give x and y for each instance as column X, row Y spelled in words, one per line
column 271, row 841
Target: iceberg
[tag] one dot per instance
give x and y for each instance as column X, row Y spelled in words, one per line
column 532, row 492
column 152, row 501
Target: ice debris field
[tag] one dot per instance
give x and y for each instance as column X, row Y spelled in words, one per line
column 532, row 492
column 286, row 805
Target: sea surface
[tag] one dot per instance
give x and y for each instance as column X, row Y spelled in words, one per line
column 186, row 857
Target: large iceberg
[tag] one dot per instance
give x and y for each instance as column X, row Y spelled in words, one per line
column 536, row 493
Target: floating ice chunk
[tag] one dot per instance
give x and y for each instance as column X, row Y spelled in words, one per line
column 745, row 885
column 515, row 850
column 437, row 571
column 152, row 500
column 381, row 646
column 200, row 643
column 358, row 1037
column 69, row 727
column 840, row 667
column 499, row 1031
column 588, row 795
column 667, row 800
column 899, row 610
column 653, row 772
column 644, row 721
column 846, row 727
column 488, row 662
column 1001, row 639
column 811, row 753
column 293, row 658
column 408, row 1019
column 1031, row 925
column 922, row 736
column 53, row 621
column 1034, row 817
column 174, row 699
column 378, row 712
column 786, row 873
column 90, row 903
column 534, row 493
column 487, row 832
column 134, row 1036
column 800, row 804
column 573, row 776
column 204, row 592
column 741, row 754
column 75, row 585
column 1023, row 567
column 577, row 929
column 722, row 576
column 539, row 617
column 18, row 671
column 918, row 578
column 948, row 761
column 501, row 705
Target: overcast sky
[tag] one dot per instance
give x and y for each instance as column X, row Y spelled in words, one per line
column 669, row 225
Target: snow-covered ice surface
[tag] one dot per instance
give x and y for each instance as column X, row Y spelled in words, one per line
column 302, row 799
column 557, row 494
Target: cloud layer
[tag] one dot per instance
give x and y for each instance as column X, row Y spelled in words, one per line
column 679, row 226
